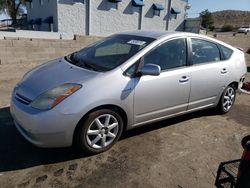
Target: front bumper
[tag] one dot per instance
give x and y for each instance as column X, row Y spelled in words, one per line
column 42, row 140
column 44, row 128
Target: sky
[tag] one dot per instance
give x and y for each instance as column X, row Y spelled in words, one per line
column 3, row 16
column 198, row 6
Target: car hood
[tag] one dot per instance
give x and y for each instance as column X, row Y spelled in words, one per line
column 50, row 75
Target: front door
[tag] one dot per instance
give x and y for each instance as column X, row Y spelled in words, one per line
column 166, row 94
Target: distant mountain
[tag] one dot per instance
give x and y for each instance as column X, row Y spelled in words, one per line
column 236, row 18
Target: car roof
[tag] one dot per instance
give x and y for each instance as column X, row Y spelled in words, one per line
column 157, row 34
column 165, row 34
column 162, row 35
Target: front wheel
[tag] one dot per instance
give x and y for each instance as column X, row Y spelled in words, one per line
column 100, row 131
column 227, row 99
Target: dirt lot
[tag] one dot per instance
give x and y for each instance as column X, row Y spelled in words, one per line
column 180, row 152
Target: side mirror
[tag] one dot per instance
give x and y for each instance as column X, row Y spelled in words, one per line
column 151, row 69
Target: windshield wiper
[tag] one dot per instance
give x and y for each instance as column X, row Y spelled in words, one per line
column 91, row 66
column 71, row 58
column 83, row 63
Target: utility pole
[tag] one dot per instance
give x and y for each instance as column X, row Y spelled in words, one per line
column 88, row 18
column 6, row 12
column 168, row 13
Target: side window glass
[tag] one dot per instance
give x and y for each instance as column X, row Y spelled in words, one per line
column 226, row 52
column 204, row 51
column 169, row 55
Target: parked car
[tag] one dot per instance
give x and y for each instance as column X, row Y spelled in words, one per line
column 123, row 81
column 244, row 29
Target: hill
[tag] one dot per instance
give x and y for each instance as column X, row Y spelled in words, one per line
column 236, row 18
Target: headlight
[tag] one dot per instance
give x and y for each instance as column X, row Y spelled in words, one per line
column 54, row 96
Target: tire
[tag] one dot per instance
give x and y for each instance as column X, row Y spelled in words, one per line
column 244, row 141
column 99, row 131
column 227, row 99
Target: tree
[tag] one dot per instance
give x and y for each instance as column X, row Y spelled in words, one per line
column 227, row 27
column 207, row 19
column 12, row 7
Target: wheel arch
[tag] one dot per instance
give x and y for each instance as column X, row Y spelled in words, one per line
column 106, row 106
column 235, row 84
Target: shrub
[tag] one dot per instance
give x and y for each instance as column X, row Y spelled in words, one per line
column 211, row 28
column 227, row 28
column 248, row 51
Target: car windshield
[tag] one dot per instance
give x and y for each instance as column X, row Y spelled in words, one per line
column 108, row 53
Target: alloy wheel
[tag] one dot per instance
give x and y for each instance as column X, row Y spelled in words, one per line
column 102, row 131
column 228, row 99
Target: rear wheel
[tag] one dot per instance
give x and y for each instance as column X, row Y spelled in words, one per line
column 100, row 131
column 227, row 99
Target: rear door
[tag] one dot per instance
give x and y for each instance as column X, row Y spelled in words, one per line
column 209, row 73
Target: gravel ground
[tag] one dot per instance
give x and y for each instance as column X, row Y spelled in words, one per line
column 181, row 152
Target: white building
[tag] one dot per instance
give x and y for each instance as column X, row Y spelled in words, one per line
column 104, row 17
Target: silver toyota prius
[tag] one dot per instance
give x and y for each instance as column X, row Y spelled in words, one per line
column 91, row 96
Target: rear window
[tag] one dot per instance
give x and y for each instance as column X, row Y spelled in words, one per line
column 227, row 53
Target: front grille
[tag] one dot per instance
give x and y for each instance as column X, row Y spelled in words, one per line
column 22, row 99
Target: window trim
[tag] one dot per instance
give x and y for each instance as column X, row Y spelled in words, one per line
column 223, row 57
column 206, row 40
column 140, row 61
column 174, row 38
column 135, row 74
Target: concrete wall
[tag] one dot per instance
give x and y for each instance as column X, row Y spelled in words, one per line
column 108, row 18
column 193, row 25
column 44, row 10
column 71, row 17
column 178, row 23
column 19, row 56
column 34, row 35
column 25, row 50
column 105, row 17
column 154, row 22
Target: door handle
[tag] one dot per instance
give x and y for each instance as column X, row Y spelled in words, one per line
column 184, row 79
column 224, row 71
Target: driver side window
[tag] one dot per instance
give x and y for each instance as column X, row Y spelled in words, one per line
column 169, row 55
